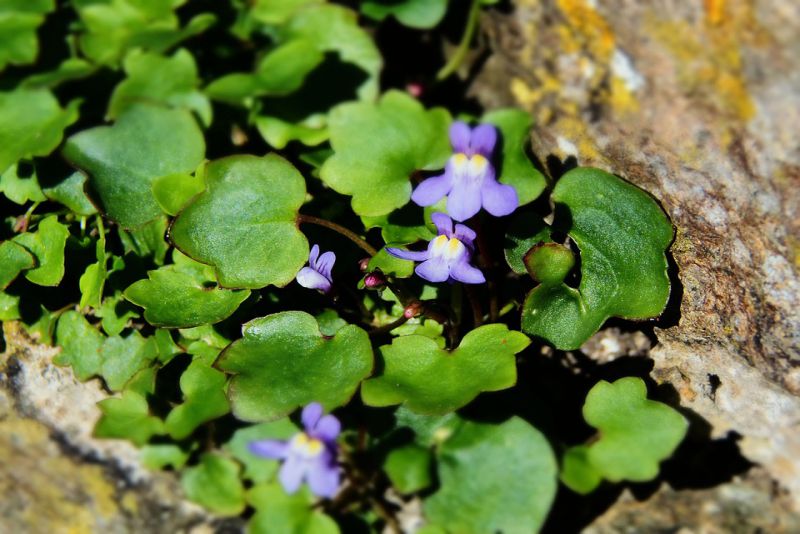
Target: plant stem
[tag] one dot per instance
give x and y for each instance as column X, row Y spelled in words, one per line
column 463, row 47
column 388, row 327
column 352, row 236
column 475, row 304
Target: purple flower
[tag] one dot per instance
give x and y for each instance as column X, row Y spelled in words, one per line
column 309, row 455
column 469, row 179
column 448, row 255
column 318, row 274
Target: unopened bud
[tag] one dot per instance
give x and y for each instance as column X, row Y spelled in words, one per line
column 374, row 280
column 412, row 310
column 363, row 264
column 415, row 89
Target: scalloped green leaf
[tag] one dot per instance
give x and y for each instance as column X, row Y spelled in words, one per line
column 70, row 192
column 174, row 191
column 9, row 307
column 277, row 512
column 623, row 235
column 154, row 78
column 409, row 468
column 14, row 259
column 244, row 224
column 127, row 417
column 147, row 241
column 47, row 246
column 514, row 166
column 33, row 124
column 420, row 14
column 19, row 21
column 123, row 357
column 113, row 28
column 115, row 312
column 283, row 362
column 93, row 279
column 204, row 399
column 525, row 232
column 18, row 189
column 494, row 478
column 636, row 433
column 378, row 146
column 215, row 484
column 183, row 295
column 258, row 468
column 430, row 380
column 577, row 471
column 122, row 163
column 80, row 343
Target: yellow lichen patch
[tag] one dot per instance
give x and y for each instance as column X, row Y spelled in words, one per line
column 45, row 491
column 621, row 98
column 588, row 29
column 709, row 61
column 715, row 11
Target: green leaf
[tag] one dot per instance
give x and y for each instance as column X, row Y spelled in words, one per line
column 122, row 163
column 160, row 456
column 421, row 14
column 116, row 26
column 215, row 484
column 47, row 246
column 257, row 468
column 284, row 362
column 549, row 263
column 157, row 79
column 127, row 417
column 310, row 131
column 244, row 224
column 34, row 124
column 115, row 313
column 204, row 393
column 277, row 512
column 514, row 166
column 174, row 191
column 123, row 357
column 525, row 232
column 278, row 11
column 635, row 433
column 9, row 307
column 70, row 192
column 494, row 478
column 72, row 68
column 14, row 259
column 333, row 28
column 409, row 468
column 19, row 20
column 622, row 234
column 377, row 147
column 81, row 344
column 429, row 430
column 577, row 471
column 183, row 295
column 20, row 190
column 430, row 380
column 147, row 241
column 94, row 277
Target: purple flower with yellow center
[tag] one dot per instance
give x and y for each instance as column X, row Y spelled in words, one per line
column 318, row 273
column 469, row 179
column 448, row 254
column 309, row 456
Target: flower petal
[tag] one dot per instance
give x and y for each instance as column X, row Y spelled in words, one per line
column 310, row 416
column 443, row 223
column 323, row 477
column 460, row 134
column 325, row 264
column 498, row 199
column 465, row 234
column 464, row 200
column 328, row 428
column 291, row 473
column 484, row 139
column 433, row 270
column 312, row 256
column 308, row 277
column 269, row 448
column 464, row 272
column 413, row 255
column 432, row 190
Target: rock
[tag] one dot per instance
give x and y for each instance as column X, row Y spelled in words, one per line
column 697, row 103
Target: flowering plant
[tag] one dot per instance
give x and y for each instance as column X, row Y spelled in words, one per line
column 464, row 273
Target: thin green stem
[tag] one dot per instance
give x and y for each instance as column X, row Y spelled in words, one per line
column 463, row 47
column 349, row 234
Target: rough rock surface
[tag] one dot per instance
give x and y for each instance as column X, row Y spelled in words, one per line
column 697, row 103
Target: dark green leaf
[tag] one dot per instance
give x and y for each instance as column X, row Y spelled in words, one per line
column 409, row 468
column 14, row 259
column 244, row 224
column 70, row 192
column 18, row 189
column 283, row 362
column 421, row 14
column 47, row 246
column 122, row 163
column 174, row 191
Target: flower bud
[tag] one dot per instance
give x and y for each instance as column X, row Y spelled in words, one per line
column 413, row 310
column 374, row 280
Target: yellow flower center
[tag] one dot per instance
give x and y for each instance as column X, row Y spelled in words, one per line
column 307, row 445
